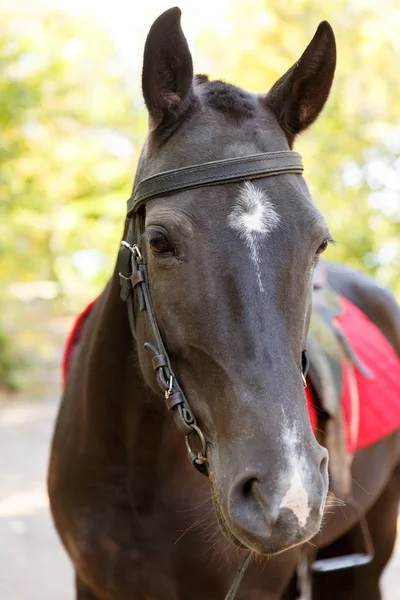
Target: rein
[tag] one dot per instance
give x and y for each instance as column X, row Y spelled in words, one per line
column 134, row 278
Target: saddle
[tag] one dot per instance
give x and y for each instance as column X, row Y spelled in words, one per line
column 328, row 351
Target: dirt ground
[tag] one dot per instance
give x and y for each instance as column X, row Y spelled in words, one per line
column 33, row 565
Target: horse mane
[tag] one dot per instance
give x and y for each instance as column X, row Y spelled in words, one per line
column 225, row 97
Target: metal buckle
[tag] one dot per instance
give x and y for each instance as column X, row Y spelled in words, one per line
column 134, row 249
column 197, row 457
column 168, row 392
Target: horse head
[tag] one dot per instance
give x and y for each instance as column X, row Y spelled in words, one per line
column 229, row 270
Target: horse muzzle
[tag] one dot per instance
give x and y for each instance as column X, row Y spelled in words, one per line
column 269, row 516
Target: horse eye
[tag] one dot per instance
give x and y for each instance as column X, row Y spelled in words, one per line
column 322, row 247
column 159, row 243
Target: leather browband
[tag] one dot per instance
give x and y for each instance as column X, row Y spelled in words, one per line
column 229, row 170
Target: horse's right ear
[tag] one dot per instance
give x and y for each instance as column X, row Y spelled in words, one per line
column 298, row 97
column 167, row 70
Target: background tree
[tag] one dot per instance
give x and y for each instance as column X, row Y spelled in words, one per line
column 68, row 126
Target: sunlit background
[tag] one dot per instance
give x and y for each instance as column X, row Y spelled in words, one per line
column 72, row 123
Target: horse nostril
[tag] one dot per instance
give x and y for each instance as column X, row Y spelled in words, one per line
column 323, row 465
column 248, row 487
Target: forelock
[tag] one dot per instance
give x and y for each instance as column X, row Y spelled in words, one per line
column 225, row 97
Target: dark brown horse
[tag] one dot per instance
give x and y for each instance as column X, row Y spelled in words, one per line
column 228, row 278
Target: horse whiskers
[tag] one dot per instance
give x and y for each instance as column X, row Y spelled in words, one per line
column 217, row 544
column 333, row 500
column 331, row 495
column 196, row 507
column 219, row 549
column 326, row 518
column 211, row 536
column 361, row 487
column 260, row 559
column 190, row 528
column 206, row 518
column 336, row 501
column 334, row 504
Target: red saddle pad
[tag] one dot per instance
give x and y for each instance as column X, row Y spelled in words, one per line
column 371, row 407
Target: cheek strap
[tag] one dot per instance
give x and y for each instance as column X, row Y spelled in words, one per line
column 134, row 282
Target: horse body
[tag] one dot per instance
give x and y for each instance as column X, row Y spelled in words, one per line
column 135, row 517
column 119, row 518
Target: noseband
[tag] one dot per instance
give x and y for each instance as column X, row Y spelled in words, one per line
column 134, row 276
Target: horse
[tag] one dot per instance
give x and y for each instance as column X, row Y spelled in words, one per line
column 216, row 267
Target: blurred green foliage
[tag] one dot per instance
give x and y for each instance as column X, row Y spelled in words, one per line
column 351, row 154
column 72, row 122
column 68, row 124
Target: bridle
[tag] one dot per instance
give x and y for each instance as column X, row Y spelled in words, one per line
column 134, row 276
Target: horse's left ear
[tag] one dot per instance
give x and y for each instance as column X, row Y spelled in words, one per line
column 167, row 70
column 298, row 97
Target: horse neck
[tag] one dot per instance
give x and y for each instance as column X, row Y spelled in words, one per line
column 125, row 422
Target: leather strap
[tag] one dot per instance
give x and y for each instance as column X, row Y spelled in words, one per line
column 239, row 576
column 230, row 170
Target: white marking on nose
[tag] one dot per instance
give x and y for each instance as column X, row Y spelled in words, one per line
column 253, row 217
column 296, row 499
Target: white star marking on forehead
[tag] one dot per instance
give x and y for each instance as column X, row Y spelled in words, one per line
column 253, row 217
